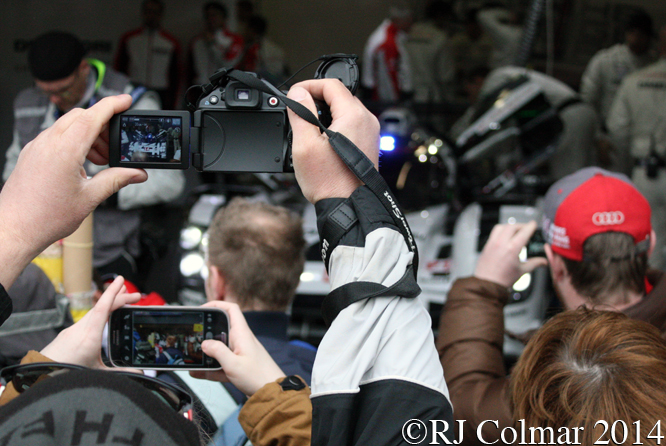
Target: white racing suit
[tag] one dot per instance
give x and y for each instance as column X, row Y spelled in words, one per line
column 604, row 74
column 386, row 66
column 637, row 127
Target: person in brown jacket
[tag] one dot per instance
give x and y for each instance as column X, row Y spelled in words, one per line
column 598, row 233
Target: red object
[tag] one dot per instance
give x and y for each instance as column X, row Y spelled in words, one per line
column 600, row 203
column 151, row 298
column 391, row 55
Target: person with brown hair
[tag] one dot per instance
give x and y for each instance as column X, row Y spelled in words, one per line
column 585, row 366
column 256, row 254
column 598, row 239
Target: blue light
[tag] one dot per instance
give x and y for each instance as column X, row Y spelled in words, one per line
column 387, row 144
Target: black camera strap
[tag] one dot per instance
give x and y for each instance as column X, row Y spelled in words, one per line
column 351, row 155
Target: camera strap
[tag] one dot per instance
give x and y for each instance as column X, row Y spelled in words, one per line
column 350, row 154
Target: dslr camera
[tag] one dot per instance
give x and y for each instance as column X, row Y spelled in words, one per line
column 233, row 127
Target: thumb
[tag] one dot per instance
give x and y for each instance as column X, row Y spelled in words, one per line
column 532, row 263
column 301, row 128
column 219, row 351
column 109, row 181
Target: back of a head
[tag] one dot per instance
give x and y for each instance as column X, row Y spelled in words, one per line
column 599, row 223
column 401, row 14
column 244, row 10
column 638, row 32
column 260, row 251
column 639, row 20
column 438, row 10
column 55, row 55
column 584, row 366
column 257, row 24
column 662, row 42
column 217, row 7
column 610, row 265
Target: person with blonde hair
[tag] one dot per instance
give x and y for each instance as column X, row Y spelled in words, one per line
column 596, row 370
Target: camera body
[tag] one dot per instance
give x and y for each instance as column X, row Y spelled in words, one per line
column 233, row 127
column 239, row 129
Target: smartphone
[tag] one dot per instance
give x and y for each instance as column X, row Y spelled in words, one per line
column 165, row 338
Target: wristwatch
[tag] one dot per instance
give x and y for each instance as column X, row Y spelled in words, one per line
column 292, row 382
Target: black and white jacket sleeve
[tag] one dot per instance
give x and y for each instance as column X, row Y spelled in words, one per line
column 377, row 366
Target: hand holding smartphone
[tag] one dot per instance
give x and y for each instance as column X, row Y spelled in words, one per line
column 165, row 338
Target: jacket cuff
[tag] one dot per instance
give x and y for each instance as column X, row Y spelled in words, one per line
column 10, row 393
column 264, row 411
column 348, row 221
column 473, row 287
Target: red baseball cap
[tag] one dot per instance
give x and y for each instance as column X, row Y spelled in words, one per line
column 592, row 201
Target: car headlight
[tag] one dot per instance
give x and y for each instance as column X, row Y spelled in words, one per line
column 192, row 264
column 190, row 237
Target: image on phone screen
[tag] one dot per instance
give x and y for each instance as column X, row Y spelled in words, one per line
column 165, row 338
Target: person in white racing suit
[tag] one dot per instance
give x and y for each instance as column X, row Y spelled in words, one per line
column 65, row 79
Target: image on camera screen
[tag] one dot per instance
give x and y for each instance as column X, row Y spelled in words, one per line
column 151, row 139
column 167, row 338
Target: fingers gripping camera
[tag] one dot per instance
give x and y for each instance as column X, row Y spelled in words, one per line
column 235, row 127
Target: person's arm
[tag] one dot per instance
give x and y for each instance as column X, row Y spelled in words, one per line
column 591, row 83
column 46, row 197
column 81, row 344
column 377, row 366
column 263, row 416
column 619, row 126
column 471, row 333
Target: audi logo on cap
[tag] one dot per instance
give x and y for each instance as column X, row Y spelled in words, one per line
column 608, row 218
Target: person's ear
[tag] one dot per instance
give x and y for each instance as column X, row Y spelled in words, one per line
column 558, row 269
column 217, row 283
column 653, row 243
column 84, row 68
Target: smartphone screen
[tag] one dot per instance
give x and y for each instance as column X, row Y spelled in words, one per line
column 165, row 337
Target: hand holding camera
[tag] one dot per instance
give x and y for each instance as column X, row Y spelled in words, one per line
column 499, row 261
column 239, row 124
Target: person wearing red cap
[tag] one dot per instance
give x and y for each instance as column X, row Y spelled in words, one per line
column 598, row 239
